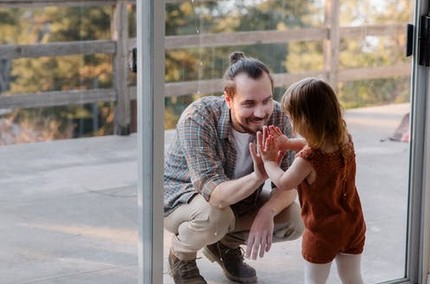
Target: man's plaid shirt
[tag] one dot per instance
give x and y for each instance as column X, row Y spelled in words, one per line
column 202, row 153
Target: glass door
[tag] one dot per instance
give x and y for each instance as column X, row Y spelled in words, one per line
column 418, row 244
column 359, row 47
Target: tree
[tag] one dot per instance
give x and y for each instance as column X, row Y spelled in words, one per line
column 57, row 24
column 226, row 16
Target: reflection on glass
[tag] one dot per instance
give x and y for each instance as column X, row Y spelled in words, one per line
column 65, row 67
column 77, row 201
column 296, row 39
column 68, row 212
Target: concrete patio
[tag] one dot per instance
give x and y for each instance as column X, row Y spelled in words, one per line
column 68, row 210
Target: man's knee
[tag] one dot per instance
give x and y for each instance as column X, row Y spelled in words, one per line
column 220, row 221
column 207, row 222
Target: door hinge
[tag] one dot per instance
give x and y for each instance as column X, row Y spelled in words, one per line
column 424, row 41
column 409, row 39
column 132, row 60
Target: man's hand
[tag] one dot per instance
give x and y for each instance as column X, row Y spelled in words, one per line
column 267, row 147
column 260, row 236
column 258, row 162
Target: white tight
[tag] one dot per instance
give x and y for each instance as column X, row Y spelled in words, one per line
column 348, row 267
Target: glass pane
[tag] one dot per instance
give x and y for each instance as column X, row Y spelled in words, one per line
column 296, row 39
column 68, row 185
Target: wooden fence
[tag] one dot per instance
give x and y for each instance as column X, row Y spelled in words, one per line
column 120, row 46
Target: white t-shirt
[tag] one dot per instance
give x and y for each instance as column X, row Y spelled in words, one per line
column 244, row 163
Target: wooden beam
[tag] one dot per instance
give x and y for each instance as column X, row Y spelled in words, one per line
column 373, row 73
column 45, row 3
column 213, row 86
column 241, row 38
column 57, row 49
column 193, row 87
column 14, row 3
column 244, row 38
column 283, row 80
column 274, row 36
column 189, row 41
column 372, row 30
column 56, row 98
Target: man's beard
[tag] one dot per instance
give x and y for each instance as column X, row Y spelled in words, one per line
column 250, row 130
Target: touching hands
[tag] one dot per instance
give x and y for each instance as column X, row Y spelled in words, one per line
column 282, row 140
column 267, row 149
column 259, row 170
column 268, row 144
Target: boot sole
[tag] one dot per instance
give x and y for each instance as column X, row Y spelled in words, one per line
column 213, row 258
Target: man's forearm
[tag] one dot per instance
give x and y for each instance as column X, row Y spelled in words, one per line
column 233, row 191
column 279, row 200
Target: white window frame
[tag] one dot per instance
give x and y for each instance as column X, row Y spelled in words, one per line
column 418, row 241
column 150, row 135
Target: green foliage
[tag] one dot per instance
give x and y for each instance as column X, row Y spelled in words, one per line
column 9, row 18
column 189, row 18
column 58, row 24
column 366, row 51
column 27, row 75
column 79, row 23
column 374, row 92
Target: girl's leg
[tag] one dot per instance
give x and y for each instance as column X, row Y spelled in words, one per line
column 316, row 273
column 349, row 268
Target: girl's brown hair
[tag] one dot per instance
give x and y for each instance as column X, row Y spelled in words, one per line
column 316, row 112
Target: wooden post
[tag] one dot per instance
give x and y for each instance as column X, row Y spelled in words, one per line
column 332, row 42
column 119, row 31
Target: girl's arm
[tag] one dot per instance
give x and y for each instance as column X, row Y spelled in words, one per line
column 285, row 143
column 289, row 179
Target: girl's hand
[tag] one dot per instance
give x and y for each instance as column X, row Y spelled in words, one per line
column 280, row 138
column 267, row 147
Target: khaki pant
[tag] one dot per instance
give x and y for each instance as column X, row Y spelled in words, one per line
column 198, row 224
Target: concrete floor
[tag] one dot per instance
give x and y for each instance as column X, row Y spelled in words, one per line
column 68, row 210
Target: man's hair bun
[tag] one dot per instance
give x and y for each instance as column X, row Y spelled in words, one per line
column 236, row 56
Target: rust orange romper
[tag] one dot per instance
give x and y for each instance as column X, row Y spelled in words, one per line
column 331, row 208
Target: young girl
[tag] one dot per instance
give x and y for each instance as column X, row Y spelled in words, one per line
column 324, row 175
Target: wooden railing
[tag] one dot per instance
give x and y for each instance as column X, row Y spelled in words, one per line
column 120, row 46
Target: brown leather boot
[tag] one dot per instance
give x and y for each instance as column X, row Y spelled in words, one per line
column 184, row 271
column 232, row 262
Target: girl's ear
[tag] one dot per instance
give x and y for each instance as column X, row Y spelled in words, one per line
column 228, row 100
